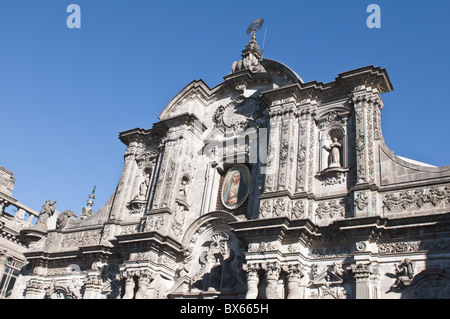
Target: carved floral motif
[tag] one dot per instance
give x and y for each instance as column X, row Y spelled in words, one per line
column 331, row 209
column 433, row 196
column 399, row 247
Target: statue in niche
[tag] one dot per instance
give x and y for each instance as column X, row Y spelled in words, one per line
column 183, row 187
column 335, row 155
column 144, row 186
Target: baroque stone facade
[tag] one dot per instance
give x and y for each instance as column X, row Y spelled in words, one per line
column 262, row 187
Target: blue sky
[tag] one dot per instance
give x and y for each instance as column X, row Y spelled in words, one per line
column 65, row 94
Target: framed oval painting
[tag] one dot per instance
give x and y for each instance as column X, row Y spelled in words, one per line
column 235, row 186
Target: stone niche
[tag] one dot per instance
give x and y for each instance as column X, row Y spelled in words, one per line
column 333, row 163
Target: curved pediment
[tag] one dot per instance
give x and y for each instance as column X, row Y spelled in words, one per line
column 191, row 99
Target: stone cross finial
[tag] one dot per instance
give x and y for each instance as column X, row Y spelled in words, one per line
column 90, row 201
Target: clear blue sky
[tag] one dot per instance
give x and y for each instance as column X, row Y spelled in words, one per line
column 65, row 94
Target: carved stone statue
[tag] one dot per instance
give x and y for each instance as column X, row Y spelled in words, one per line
column 63, row 218
column 406, row 268
column 143, row 187
column 183, row 187
column 334, row 149
column 404, row 273
column 48, row 209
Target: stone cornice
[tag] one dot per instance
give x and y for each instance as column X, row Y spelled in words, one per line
column 146, row 239
column 134, row 134
column 347, row 82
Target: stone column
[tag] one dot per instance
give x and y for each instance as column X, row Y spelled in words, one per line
column 127, row 173
column 34, row 289
column 143, row 282
column 302, row 154
column 93, row 286
column 252, row 281
column 273, row 152
column 368, row 131
column 129, row 285
column 362, row 273
column 272, row 275
column 294, row 275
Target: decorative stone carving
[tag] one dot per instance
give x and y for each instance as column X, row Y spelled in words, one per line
column 399, row 247
column 143, row 256
column 178, row 220
column 327, row 282
column 265, row 209
column 294, row 275
column 298, row 209
column 184, row 184
column 63, row 219
column 238, row 115
column 404, row 273
column 362, row 271
column 331, row 210
column 154, row 223
column 87, row 210
column 219, row 266
column 333, row 176
column 433, row 196
column 33, row 287
column 145, row 276
column 130, row 283
column 62, row 291
column 279, row 207
column 361, row 201
column 252, row 270
column 79, row 239
column 137, row 206
column 250, row 58
column 327, row 252
column 93, row 283
column 143, row 187
column 262, row 246
column 272, row 270
column 361, row 246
